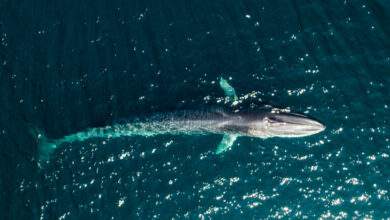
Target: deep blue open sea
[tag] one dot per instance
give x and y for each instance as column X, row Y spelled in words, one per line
column 69, row 65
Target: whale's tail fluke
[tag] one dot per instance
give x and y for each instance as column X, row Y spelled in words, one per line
column 46, row 146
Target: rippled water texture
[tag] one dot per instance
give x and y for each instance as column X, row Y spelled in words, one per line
column 66, row 66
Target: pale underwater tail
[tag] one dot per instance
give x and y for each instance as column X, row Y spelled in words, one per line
column 46, row 146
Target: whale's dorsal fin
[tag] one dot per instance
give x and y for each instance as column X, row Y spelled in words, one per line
column 226, row 143
column 229, row 91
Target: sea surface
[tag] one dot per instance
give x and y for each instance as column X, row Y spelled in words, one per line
column 69, row 65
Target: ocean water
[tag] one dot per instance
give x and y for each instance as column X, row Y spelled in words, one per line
column 70, row 65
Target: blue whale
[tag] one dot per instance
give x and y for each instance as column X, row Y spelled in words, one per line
column 265, row 124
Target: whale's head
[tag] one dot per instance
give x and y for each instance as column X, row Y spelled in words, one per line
column 284, row 124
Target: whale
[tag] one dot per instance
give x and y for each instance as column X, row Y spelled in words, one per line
column 269, row 123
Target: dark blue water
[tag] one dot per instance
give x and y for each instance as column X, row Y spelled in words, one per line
column 70, row 65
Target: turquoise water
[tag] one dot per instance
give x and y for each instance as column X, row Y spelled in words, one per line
column 66, row 66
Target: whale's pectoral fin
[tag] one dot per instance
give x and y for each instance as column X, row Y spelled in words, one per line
column 226, row 143
column 229, row 91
